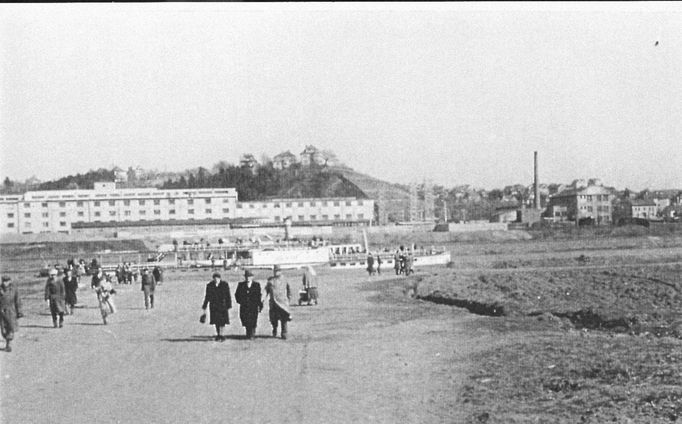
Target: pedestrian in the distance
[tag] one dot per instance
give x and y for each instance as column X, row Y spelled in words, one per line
column 249, row 297
column 71, row 286
column 10, row 311
column 55, row 295
column 219, row 300
column 148, row 284
column 370, row 264
column 105, row 297
column 280, row 294
column 378, row 259
column 158, row 275
column 80, row 270
column 310, row 284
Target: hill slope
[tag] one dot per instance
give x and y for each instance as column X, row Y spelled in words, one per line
column 394, row 198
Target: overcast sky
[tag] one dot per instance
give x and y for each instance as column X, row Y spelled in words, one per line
column 456, row 93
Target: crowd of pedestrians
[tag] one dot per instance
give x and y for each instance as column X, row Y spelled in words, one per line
column 60, row 295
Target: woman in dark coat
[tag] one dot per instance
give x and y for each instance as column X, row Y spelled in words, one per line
column 70, row 285
column 248, row 295
column 219, row 300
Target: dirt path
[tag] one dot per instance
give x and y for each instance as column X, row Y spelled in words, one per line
column 365, row 354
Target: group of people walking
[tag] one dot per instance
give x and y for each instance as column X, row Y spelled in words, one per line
column 250, row 297
column 60, row 293
column 403, row 262
column 126, row 273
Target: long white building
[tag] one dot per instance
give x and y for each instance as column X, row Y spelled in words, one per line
column 105, row 205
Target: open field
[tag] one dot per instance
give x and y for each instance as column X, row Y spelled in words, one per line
column 583, row 333
column 583, row 329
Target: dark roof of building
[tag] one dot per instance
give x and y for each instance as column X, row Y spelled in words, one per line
column 642, row 202
column 284, row 155
column 589, row 190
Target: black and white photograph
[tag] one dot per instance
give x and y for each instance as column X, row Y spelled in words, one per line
column 341, row 212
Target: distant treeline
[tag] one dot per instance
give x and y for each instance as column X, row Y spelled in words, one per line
column 78, row 181
column 266, row 181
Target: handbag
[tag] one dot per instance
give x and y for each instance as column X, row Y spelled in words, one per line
column 202, row 319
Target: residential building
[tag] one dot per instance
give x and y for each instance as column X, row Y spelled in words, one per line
column 284, row 160
column 505, row 214
column 311, row 155
column 644, row 208
column 120, row 174
column 591, row 201
column 248, row 161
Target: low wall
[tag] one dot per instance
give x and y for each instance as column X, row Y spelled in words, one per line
column 206, row 231
column 470, row 227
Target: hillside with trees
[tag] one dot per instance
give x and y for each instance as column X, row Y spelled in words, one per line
column 265, row 181
column 318, row 173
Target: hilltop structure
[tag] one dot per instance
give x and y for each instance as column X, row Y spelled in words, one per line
column 284, row 160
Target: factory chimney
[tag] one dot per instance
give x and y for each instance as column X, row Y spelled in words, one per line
column 536, row 193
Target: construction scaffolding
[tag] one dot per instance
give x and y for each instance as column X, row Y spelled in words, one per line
column 414, row 204
column 429, row 202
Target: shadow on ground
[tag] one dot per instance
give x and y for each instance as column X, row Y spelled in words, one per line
column 211, row 338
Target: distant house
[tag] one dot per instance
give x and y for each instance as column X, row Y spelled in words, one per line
column 661, row 203
column 119, row 174
column 248, row 161
column 643, row 208
column 312, row 154
column 591, row 201
column 507, row 213
column 32, row 183
column 284, row 160
column 543, row 190
column 677, row 199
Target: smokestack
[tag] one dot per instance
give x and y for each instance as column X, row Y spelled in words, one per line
column 535, row 182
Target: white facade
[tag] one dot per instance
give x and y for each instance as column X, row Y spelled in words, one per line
column 644, row 210
column 336, row 209
column 56, row 210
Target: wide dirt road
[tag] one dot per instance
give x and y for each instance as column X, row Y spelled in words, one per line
column 364, row 354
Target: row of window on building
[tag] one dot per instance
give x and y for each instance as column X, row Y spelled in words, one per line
column 597, row 197
column 324, row 217
column 299, row 204
column 141, row 202
column 604, row 209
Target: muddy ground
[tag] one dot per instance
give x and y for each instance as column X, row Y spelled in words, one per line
column 583, row 334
